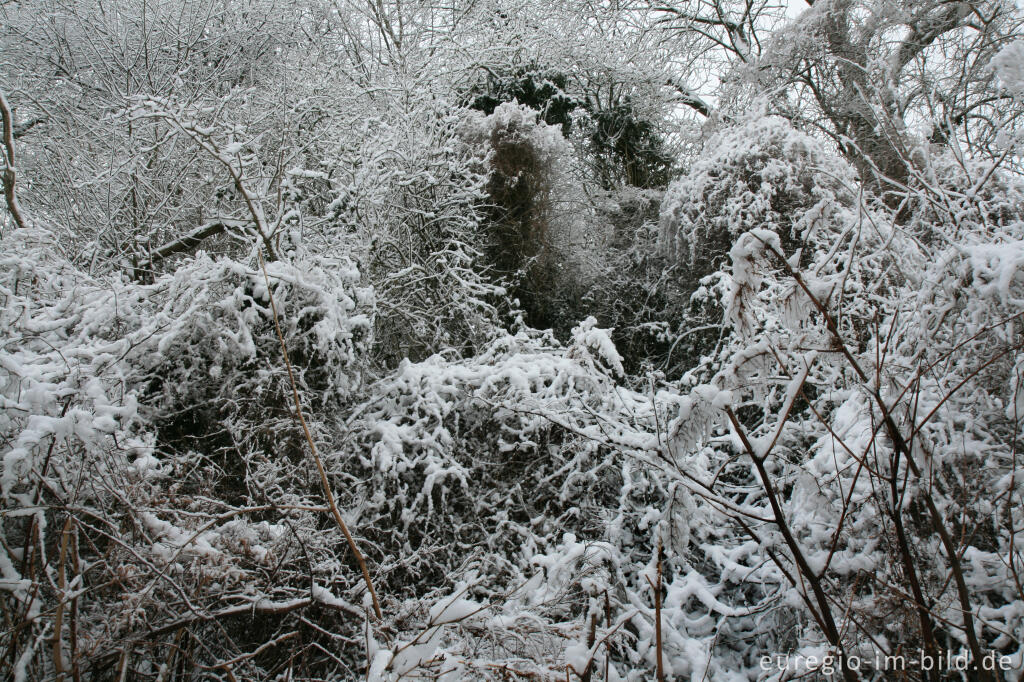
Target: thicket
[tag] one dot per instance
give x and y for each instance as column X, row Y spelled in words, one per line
column 313, row 368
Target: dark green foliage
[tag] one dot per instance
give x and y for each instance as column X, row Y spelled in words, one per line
column 628, row 148
column 625, row 147
column 532, row 86
column 620, row 146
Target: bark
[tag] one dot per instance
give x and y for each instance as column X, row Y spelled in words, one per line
column 9, row 173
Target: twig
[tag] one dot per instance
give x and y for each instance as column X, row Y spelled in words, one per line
column 657, row 623
column 76, row 672
column 58, row 619
column 656, row 587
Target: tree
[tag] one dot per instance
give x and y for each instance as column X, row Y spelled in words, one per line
column 875, row 71
column 882, row 79
column 78, row 67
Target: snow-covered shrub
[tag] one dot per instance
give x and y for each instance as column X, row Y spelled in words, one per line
column 162, row 510
column 413, row 191
column 214, row 384
column 522, row 165
column 153, row 479
column 399, row 190
column 531, row 475
column 873, row 384
column 452, row 440
column 758, row 174
column 761, row 173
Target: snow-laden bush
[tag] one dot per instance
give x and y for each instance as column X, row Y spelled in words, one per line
column 760, row 173
column 874, row 390
column 532, row 475
column 153, row 481
column 521, row 507
column 162, row 511
column 410, row 193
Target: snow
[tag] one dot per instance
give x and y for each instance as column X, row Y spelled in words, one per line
column 1008, row 65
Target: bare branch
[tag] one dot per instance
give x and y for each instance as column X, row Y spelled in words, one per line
column 690, row 99
column 192, row 239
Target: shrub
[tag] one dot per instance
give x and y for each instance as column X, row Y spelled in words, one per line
column 761, row 173
column 523, row 153
column 147, row 434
